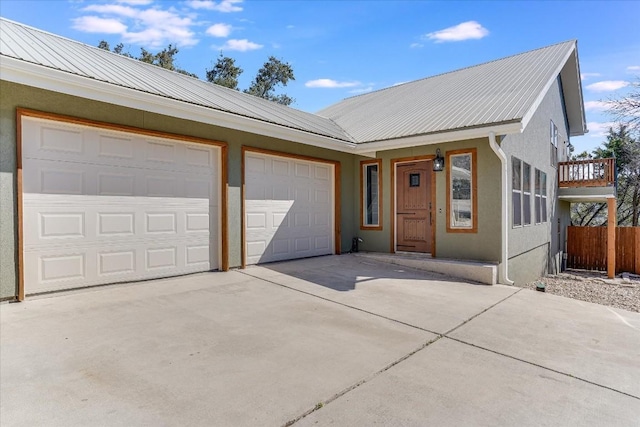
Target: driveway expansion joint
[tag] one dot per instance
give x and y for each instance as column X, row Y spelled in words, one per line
column 542, row 367
column 359, row 383
column 481, row 312
column 343, row 304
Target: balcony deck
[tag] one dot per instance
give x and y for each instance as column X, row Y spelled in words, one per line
column 591, row 180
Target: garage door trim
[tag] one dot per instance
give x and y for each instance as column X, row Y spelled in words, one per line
column 336, row 189
column 27, row 113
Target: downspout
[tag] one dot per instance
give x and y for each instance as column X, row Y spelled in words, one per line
column 503, row 270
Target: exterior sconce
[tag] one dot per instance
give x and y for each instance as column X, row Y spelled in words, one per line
column 438, row 162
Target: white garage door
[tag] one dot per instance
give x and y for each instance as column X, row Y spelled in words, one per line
column 102, row 206
column 289, row 205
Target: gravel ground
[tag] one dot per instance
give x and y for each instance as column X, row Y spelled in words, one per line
column 593, row 286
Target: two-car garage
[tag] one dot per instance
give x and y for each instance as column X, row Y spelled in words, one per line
column 103, row 204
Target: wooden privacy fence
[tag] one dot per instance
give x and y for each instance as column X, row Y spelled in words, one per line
column 587, row 248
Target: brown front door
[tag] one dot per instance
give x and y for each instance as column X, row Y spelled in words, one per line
column 413, row 207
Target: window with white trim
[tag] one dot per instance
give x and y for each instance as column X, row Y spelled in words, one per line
column 541, row 196
column 554, row 144
column 521, row 192
column 370, row 183
column 461, row 191
column 526, row 193
column 516, row 190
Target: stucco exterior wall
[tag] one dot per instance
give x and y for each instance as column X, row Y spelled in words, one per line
column 481, row 246
column 533, row 146
column 14, row 96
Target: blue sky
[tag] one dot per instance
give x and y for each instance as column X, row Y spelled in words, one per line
column 339, row 49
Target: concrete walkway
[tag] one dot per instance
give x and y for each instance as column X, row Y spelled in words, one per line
column 331, row 340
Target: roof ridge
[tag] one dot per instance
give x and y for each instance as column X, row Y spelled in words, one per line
column 574, row 41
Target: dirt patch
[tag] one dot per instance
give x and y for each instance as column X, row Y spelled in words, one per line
column 593, row 286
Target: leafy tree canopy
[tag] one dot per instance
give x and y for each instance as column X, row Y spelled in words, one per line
column 272, row 74
column 224, row 72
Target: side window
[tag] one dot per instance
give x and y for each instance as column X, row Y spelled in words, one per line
column 370, row 187
column 516, row 190
column 553, row 129
column 526, row 193
column 541, row 197
column 462, row 197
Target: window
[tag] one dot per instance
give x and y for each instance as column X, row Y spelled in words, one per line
column 554, row 144
column 516, row 190
column 541, row 197
column 526, row 193
column 521, row 192
column 370, row 187
column 462, row 199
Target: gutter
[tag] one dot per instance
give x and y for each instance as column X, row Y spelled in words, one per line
column 503, row 269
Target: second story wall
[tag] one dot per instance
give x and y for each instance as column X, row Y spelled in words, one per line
column 534, row 150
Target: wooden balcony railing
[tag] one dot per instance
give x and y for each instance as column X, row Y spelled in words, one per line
column 587, row 173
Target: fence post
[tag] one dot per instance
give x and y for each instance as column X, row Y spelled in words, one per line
column 611, row 238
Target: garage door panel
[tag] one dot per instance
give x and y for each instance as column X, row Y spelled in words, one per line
column 288, row 208
column 70, row 143
column 102, row 207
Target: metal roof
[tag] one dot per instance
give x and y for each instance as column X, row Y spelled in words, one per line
column 500, row 91
column 39, row 47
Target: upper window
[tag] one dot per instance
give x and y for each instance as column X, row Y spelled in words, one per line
column 371, row 186
column 521, row 192
column 553, row 133
column 541, row 197
column 462, row 198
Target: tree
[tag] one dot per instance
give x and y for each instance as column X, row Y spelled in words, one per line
column 625, row 148
column 224, row 73
column 273, row 73
column 626, row 109
column 164, row 58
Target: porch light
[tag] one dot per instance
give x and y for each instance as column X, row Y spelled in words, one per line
column 438, row 162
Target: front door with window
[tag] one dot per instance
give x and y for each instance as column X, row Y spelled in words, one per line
column 413, row 207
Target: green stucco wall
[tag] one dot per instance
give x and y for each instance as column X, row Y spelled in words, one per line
column 14, row 96
column 527, row 243
column 481, row 246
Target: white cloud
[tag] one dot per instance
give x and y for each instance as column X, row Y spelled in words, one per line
column 95, row 24
column 633, row 68
column 240, row 45
column 290, row 27
column 225, row 6
column 113, row 9
column 585, row 76
column 464, row 31
column 415, row 45
column 151, row 27
column 219, row 30
column 607, row 85
column 329, row 83
column 596, row 105
column 599, row 129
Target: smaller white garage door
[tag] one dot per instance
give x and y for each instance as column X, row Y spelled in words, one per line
column 102, row 206
column 289, row 208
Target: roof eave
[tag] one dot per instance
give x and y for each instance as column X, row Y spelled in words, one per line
column 35, row 75
column 504, row 128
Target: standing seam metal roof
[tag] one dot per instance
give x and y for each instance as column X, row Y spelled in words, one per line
column 36, row 46
column 500, row 91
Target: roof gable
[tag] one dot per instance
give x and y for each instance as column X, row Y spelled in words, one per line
column 498, row 92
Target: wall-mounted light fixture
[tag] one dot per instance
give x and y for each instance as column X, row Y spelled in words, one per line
column 438, row 162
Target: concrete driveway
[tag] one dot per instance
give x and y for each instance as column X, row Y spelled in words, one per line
column 334, row 340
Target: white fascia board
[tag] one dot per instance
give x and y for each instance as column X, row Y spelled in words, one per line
column 534, row 107
column 438, row 138
column 18, row 71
